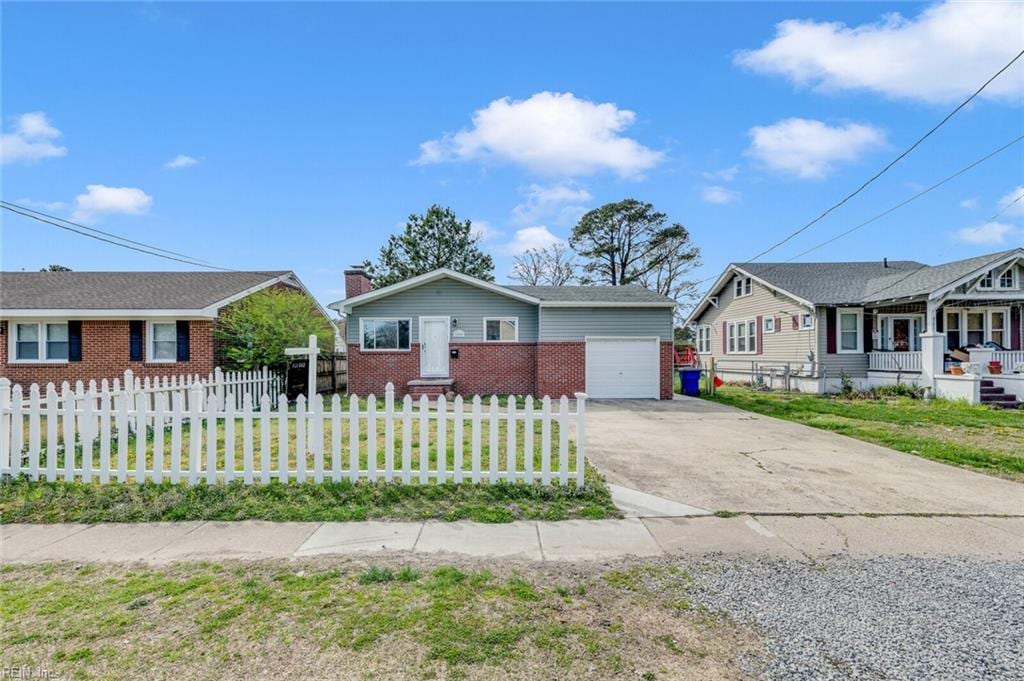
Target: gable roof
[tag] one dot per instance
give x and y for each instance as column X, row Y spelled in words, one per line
column 123, row 292
column 554, row 296
column 845, row 283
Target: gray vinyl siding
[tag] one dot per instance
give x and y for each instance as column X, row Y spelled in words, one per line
column 785, row 345
column 446, row 297
column 854, row 364
column 575, row 323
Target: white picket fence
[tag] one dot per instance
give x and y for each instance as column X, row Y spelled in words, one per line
column 108, row 438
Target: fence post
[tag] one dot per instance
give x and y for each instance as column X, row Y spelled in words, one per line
column 581, row 420
column 218, row 384
column 314, row 353
column 5, row 424
column 129, row 387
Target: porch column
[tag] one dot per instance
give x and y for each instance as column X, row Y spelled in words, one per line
column 933, row 346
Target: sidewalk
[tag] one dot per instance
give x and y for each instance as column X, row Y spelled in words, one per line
column 799, row 538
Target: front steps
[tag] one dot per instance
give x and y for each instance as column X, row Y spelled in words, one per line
column 431, row 387
column 997, row 397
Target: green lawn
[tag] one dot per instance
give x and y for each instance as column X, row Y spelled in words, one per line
column 345, row 619
column 973, row 436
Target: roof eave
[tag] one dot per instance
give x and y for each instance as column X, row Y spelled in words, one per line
column 347, row 304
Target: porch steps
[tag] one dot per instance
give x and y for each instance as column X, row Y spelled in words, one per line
column 997, row 397
column 431, row 387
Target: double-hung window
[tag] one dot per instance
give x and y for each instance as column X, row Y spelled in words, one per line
column 40, row 341
column 163, row 342
column 742, row 337
column 850, row 325
column 501, row 329
column 742, row 287
column 385, row 334
column 703, row 340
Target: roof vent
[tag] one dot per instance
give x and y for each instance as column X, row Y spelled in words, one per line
column 885, row 262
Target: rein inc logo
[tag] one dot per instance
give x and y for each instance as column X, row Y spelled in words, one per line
column 28, row 672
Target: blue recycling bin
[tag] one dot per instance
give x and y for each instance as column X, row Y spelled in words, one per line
column 689, row 380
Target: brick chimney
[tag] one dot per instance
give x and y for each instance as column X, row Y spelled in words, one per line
column 357, row 281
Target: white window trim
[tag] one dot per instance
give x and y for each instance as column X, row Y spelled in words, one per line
column 810, row 316
column 500, row 319
column 362, row 334
column 1012, row 269
column 149, row 358
column 12, row 340
column 706, row 329
column 992, row 274
column 859, row 311
column 746, row 287
column 986, row 313
column 764, row 324
column 746, row 326
column 884, row 343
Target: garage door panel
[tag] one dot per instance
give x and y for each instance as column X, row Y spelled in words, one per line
column 627, row 367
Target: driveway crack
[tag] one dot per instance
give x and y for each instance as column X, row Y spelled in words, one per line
column 757, row 462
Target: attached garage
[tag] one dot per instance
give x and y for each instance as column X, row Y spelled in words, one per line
column 623, row 367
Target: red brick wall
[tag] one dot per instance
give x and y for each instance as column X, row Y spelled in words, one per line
column 561, row 368
column 369, row 372
column 105, row 354
column 495, row 368
column 666, row 370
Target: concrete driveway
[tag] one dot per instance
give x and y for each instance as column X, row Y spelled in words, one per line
column 721, row 458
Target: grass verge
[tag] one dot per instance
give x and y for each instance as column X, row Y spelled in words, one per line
column 973, row 436
column 345, row 619
column 25, row 501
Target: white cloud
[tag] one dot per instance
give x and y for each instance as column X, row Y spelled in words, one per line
column 31, row 140
column 181, row 161
column 566, row 202
column 482, row 229
column 987, row 234
column 969, row 204
column 724, row 175
column 719, row 195
column 1012, row 203
column 552, row 133
column 99, row 199
column 528, row 238
column 46, row 206
column 942, row 54
column 811, row 149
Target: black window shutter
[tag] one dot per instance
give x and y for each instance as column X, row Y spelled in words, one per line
column 183, row 344
column 74, row 341
column 135, row 340
column 830, row 330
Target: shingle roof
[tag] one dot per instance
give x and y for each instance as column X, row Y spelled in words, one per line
column 591, row 294
column 123, row 290
column 835, row 283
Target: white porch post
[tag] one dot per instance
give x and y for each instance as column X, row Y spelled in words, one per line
column 932, row 346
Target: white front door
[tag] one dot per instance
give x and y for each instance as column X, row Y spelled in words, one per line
column 434, row 347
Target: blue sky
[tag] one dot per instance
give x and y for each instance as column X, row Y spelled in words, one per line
column 306, row 133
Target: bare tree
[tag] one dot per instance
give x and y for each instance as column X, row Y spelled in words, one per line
column 554, row 265
column 669, row 264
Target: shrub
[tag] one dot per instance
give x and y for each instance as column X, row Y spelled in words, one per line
column 911, row 390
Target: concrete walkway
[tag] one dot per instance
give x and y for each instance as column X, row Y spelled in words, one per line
column 801, row 538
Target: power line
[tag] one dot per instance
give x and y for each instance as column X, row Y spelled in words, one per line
column 1007, row 206
column 98, row 231
column 891, row 163
column 111, row 241
column 914, row 198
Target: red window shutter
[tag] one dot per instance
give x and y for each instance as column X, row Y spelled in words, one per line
column 760, row 333
column 796, row 322
column 725, row 337
column 1015, row 329
column 830, row 330
column 778, row 324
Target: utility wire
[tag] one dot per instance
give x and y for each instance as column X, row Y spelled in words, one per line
column 1007, row 206
column 891, row 163
column 4, row 204
column 111, row 241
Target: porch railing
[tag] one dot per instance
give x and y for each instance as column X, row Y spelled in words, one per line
column 1010, row 359
column 895, row 361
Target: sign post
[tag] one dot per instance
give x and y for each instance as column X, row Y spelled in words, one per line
column 311, row 352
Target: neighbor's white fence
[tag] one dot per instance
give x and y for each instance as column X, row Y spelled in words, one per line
column 1010, row 359
column 215, row 386
column 107, row 438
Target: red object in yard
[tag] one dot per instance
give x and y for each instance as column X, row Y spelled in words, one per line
column 719, row 382
column 687, row 358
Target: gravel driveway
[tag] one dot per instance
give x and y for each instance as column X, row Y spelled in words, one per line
column 883, row 618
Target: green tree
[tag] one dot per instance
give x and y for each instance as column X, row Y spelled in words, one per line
column 430, row 241
column 55, row 268
column 254, row 332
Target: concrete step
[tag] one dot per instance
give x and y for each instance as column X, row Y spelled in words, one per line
column 992, row 390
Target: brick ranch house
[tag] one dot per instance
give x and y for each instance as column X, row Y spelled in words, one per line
column 446, row 331
column 70, row 326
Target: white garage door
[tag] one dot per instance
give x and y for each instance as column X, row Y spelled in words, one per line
column 622, row 367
